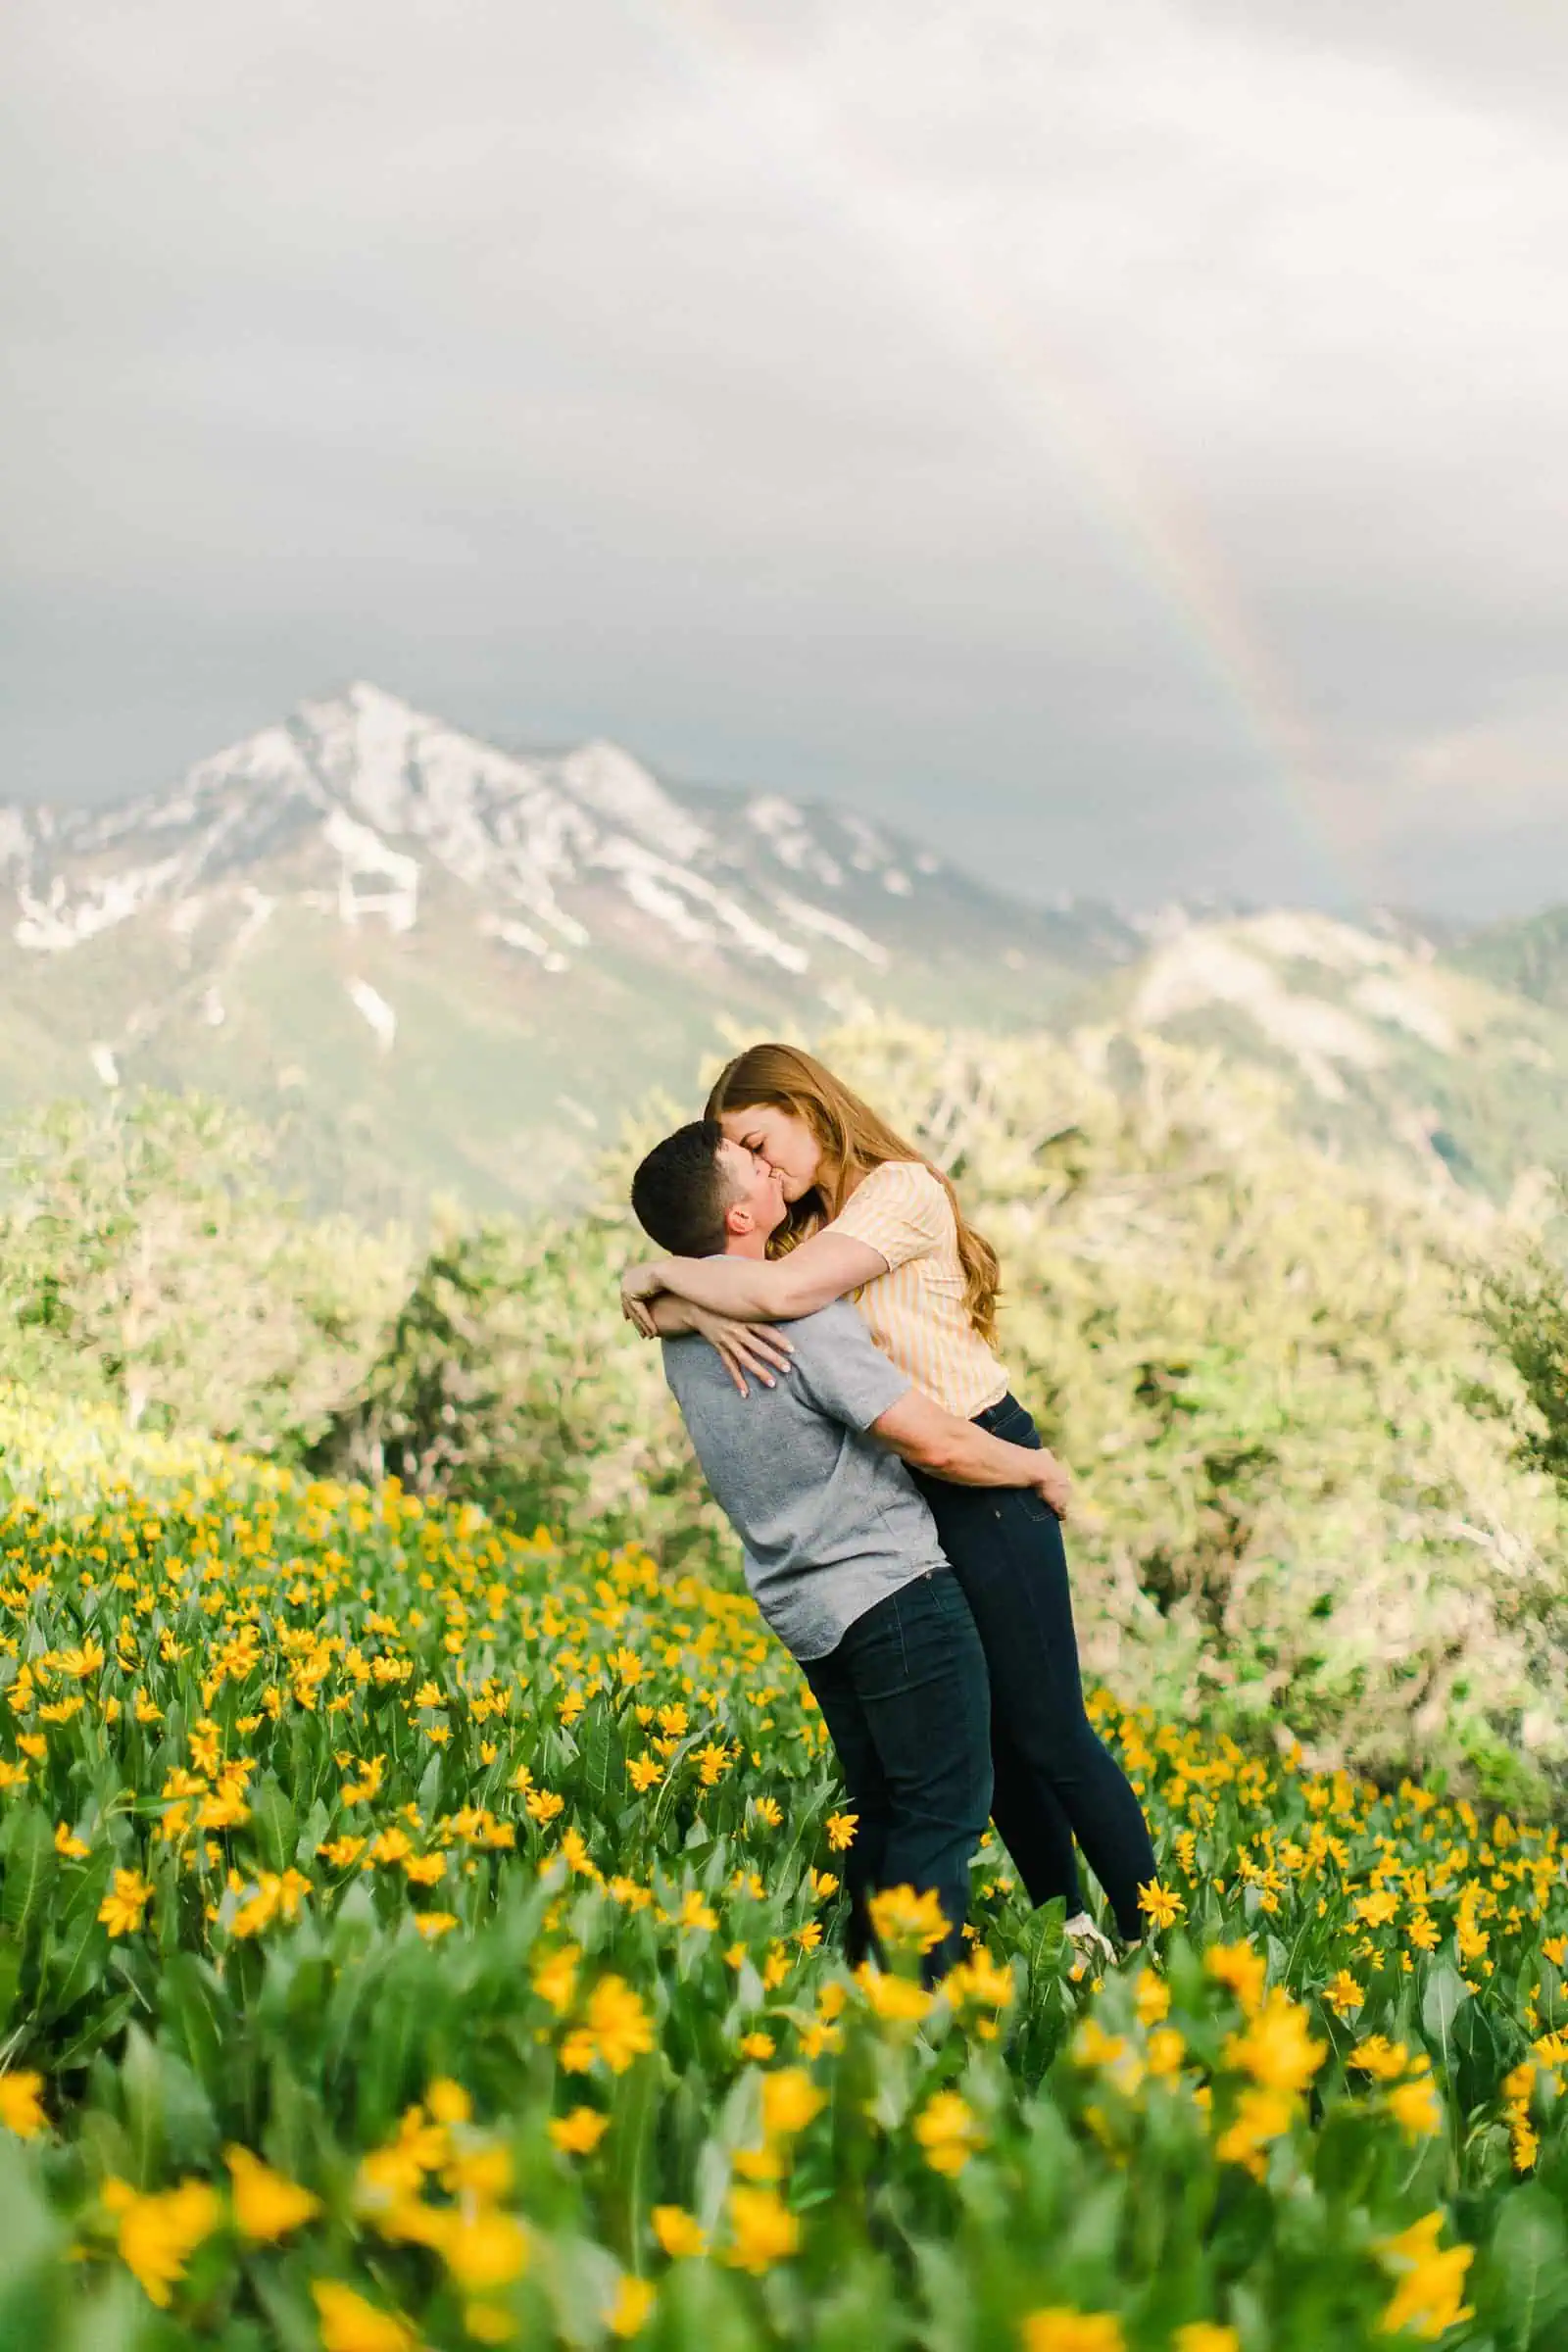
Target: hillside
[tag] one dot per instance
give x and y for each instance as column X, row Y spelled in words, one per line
column 1388, row 1048
column 1530, row 958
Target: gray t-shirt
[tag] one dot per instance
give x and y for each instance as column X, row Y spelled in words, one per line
column 830, row 1519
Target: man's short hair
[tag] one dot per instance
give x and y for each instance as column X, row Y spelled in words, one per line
column 681, row 1191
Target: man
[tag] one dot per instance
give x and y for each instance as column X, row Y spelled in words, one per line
column 841, row 1551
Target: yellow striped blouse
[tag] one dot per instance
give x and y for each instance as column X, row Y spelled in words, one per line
column 915, row 1311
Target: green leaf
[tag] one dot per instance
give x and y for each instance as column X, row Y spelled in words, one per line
column 604, row 1760
column 79, row 1945
column 10, row 1975
column 199, row 2021
column 273, row 1825
column 1444, row 1996
column 29, row 1867
column 1528, row 2267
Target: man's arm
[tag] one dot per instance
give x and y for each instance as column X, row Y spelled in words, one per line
column 922, row 1432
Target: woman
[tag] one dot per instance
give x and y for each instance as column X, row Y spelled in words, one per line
column 871, row 1220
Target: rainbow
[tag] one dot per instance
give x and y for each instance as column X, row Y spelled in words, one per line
column 1155, row 534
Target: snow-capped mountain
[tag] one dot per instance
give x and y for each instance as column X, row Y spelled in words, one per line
column 366, row 909
column 359, row 806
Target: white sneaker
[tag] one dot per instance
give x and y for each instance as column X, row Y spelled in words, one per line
column 1091, row 1943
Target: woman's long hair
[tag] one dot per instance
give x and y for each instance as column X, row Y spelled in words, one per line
column 854, row 1141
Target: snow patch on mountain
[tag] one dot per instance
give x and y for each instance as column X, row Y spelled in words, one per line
column 363, row 853
column 807, row 918
column 376, row 1011
column 53, row 924
column 620, row 792
column 1201, row 967
column 788, row 833
column 1298, row 936
column 1406, row 1006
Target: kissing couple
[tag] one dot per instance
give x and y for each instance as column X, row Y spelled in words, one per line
column 828, row 1321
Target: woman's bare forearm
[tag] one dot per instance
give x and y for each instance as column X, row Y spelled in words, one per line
column 755, row 1290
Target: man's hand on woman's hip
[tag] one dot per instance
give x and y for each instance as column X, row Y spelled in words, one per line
column 1054, row 1484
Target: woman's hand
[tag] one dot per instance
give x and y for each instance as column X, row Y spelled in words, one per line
column 754, row 1348
column 1054, row 1484
column 638, row 1285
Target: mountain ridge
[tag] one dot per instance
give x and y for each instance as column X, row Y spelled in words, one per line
column 438, row 964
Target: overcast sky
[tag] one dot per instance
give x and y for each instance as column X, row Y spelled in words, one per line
column 1127, row 444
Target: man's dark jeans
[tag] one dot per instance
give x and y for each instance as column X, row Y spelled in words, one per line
column 907, row 1704
column 1055, row 1777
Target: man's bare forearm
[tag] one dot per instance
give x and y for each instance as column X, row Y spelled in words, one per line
column 671, row 1315
column 968, row 1457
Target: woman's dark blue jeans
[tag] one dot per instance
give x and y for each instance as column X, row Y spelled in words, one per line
column 1055, row 1777
column 904, row 1699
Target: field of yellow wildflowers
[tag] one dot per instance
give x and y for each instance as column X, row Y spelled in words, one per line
column 411, row 1934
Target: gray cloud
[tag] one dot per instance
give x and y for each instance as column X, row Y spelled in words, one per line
column 1129, row 447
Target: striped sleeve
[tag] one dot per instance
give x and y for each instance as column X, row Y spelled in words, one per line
column 900, row 1209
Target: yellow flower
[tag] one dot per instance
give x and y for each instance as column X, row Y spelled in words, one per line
column 1345, row 1996
column 1061, row 2328
column 432, row 1924
column 481, row 2248
column 677, row 2232
column 555, row 1974
column 946, row 2130
column 760, row 2046
column 980, row 1979
column 342, row 1852
column 619, row 2023
column 157, row 2233
column 1240, row 1969
column 634, row 2300
column 488, row 2324
column 579, row 2132
column 1417, row 2109
column 448, row 2102
column 1262, row 2115
column 69, row 1844
column 267, row 2205
column 790, row 2100
column 1166, row 2050
column 1431, row 2282
column 763, row 2230
column 1159, row 1905
column 905, row 1920
column 1377, row 1909
column 20, row 2107
column 841, row 1828
column 1204, row 2335
column 123, row 1907
column 1276, row 2049
column 1384, row 2060
column 644, row 1773
column 897, row 1999
column 351, row 2325
column 1151, row 1997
